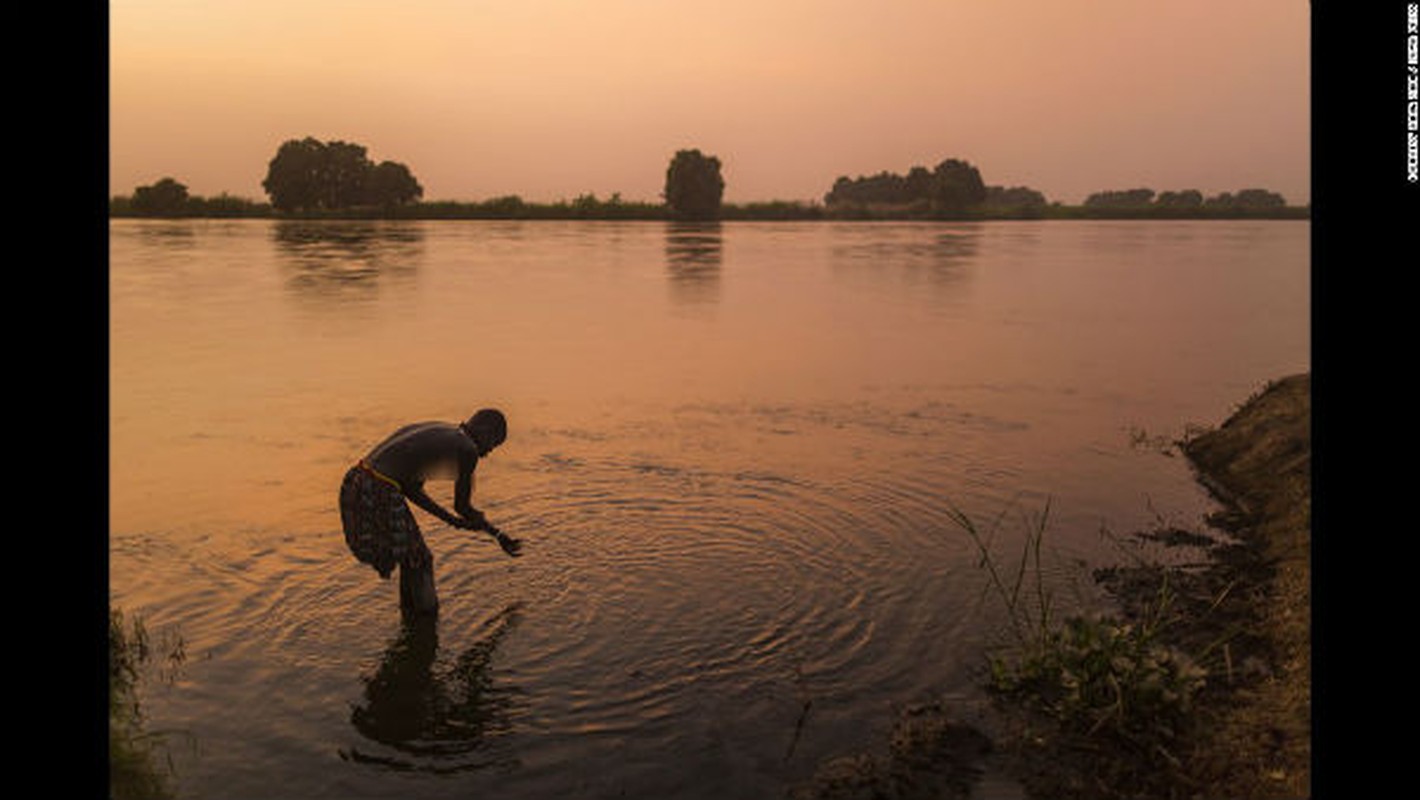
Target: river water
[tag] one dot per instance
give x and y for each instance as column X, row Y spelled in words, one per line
column 734, row 453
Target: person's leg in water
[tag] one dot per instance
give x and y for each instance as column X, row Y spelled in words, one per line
column 416, row 588
column 416, row 577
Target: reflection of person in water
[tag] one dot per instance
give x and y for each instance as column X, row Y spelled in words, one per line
column 379, row 527
column 420, row 710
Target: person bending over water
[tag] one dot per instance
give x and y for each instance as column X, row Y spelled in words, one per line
column 379, row 527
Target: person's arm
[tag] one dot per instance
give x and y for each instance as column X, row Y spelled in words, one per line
column 463, row 494
column 414, row 490
column 473, row 519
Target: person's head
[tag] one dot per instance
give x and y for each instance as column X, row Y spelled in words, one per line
column 487, row 428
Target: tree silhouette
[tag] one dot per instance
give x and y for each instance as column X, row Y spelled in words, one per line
column 1120, row 198
column 1188, row 198
column 1259, row 198
column 167, row 197
column 391, row 184
column 1246, row 199
column 956, row 186
column 310, row 174
column 953, row 188
column 293, row 178
column 345, row 169
column 694, row 186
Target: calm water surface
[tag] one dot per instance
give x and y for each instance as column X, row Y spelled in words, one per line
column 733, row 451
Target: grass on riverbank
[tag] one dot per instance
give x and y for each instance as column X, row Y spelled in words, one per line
column 1088, row 673
column 590, row 207
column 138, row 763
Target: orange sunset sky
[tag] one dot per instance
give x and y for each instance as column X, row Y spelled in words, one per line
column 550, row 99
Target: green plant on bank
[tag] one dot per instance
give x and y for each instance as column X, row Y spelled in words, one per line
column 1092, row 675
column 134, row 753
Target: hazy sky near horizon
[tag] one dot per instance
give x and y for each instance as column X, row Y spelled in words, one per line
column 550, row 99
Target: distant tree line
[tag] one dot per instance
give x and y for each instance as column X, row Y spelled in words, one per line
column 954, row 189
column 169, row 198
column 951, row 189
column 586, row 206
column 336, row 179
column 1015, row 198
column 1188, row 198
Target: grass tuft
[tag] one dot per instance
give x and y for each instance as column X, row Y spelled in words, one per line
column 139, row 765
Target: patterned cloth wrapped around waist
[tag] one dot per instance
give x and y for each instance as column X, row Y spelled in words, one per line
column 379, row 528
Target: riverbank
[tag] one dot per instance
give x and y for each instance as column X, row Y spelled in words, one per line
column 1258, row 464
column 1226, row 637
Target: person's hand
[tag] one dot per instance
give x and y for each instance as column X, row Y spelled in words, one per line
column 474, row 522
column 511, row 546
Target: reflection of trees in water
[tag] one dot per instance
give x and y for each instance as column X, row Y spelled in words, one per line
column 694, row 255
column 940, row 258
column 440, row 714
column 167, row 233
column 936, row 256
column 332, row 259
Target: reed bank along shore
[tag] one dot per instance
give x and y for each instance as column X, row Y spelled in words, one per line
column 1200, row 686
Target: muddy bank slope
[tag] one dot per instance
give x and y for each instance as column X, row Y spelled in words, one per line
column 1258, row 464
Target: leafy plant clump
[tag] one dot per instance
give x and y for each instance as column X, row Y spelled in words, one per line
column 1097, row 674
column 1125, row 692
